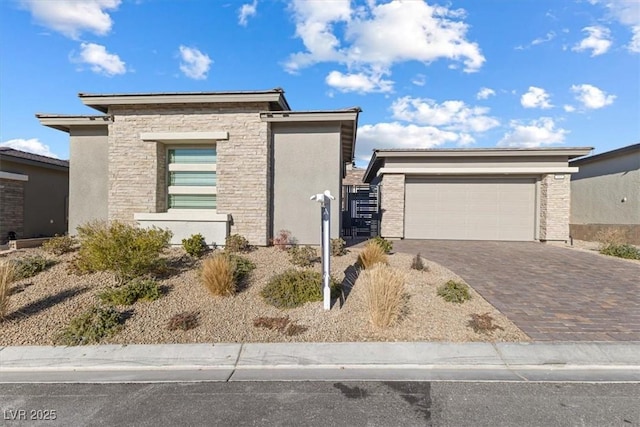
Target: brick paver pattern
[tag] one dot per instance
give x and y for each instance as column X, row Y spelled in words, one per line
column 550, row 292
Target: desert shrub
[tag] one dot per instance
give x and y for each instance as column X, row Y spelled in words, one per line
column 483, row 323
column 386, row 245
column 59, row 245
column 194, row 245
column 384, row 294
column 371, row 255
column 138, row 289
column 621, row 251
column 338, row 247
column 7, row 275
column 235, row 243
column 91, row 326
column 454, row 292
column 241, row 267
column 294, row 288
column 284, row 240
column 303, row 256
column 126, row 250
column 418, row 264
column 282, row 324
column 218, row 275
column 30, row 266
column 183, row 321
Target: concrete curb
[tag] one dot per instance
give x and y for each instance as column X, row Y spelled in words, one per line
column 406, row 361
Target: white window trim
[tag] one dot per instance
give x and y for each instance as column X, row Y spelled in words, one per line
column 192, row 167
column 195, row 189
column 189, row 167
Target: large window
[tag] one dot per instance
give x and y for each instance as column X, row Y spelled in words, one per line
column 192, row 178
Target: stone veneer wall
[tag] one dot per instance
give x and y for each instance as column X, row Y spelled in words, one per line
column 392, row 205
column 137, row 171
column 11, row 208
column 555, row 202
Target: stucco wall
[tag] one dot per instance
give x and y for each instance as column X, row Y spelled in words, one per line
column 88, row 175
column 599, row 188
column 45, row 199
column 307, row 160
column 11, row 208
column 554, row 207
column 136, row 167
column 392, row 205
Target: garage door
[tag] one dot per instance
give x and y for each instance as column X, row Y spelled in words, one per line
column 470, row 208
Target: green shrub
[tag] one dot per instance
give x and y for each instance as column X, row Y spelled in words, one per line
column 621, row 251
column 124, row 249
column 241, row 266
column 386, row 245
column 195, row 245
column 138, row 289
column 183, row 321
column 303, row 256
column 59, row 245
column 454, row 292
column 30, row 266
column 284, row 240
column 418, row 264
column 236, row 243
column 338, row 247
column 296, row 287
column 91, row 326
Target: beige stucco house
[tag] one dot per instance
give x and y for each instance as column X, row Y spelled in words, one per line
column 34, row 193
column 605, row 195
column 214, row 163
column 518, row 194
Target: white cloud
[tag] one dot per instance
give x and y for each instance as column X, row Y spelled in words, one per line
column 627, row 13
column 569, row 108
column 547, row 38
column 372, row 38
column 100, row 61
column 634, row 44
column 598, row 40
column 358, row 82
column 419, row 80
column 194, row 64
column 450, row 115
column 535, row 98
column 485, row 93
column 536, row 133
column 246, row 11
column 32, row 145
column 72, row 17
column 592, row 97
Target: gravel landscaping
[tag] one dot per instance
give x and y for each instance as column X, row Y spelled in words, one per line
column 44, row 304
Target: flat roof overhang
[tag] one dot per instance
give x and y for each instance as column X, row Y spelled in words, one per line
column 377, row 159
column 65, row 122
column 347, row 118
column 102, row 102
column 607, row 155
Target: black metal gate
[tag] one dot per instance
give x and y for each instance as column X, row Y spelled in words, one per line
column 361, row 213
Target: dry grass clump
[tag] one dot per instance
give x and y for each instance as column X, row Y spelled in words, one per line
column 7, row 275
column 371, row 255
column 384, row 294
column 218, row 275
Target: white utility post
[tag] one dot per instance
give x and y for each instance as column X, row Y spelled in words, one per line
column 325, row 207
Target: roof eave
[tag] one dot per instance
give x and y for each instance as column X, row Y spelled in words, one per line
column 65, row 122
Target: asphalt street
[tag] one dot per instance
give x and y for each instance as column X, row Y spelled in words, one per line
column 322, row 404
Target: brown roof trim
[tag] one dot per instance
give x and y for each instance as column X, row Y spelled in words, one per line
column 606, row 155
column 25, row 157
column 101, row 102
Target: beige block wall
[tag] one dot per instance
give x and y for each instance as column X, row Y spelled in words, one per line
column 555, row 201
column 11, row 208
column 392, row 205
column 137, row 171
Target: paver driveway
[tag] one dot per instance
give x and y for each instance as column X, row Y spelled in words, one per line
column 550, row 292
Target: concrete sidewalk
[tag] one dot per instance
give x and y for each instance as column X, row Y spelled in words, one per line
column 363, row 361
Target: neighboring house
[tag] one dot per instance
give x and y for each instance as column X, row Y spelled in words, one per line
column 605, row 195
column 474, row 194
column 214, row 163
column 34, row 193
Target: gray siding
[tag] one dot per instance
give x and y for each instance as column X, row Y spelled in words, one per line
column 307, row 160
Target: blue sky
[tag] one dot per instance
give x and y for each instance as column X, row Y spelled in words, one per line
column 460, row 73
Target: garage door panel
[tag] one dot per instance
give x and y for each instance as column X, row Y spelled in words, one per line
column 470, row 208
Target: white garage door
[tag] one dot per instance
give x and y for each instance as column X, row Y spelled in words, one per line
column 470, row 208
